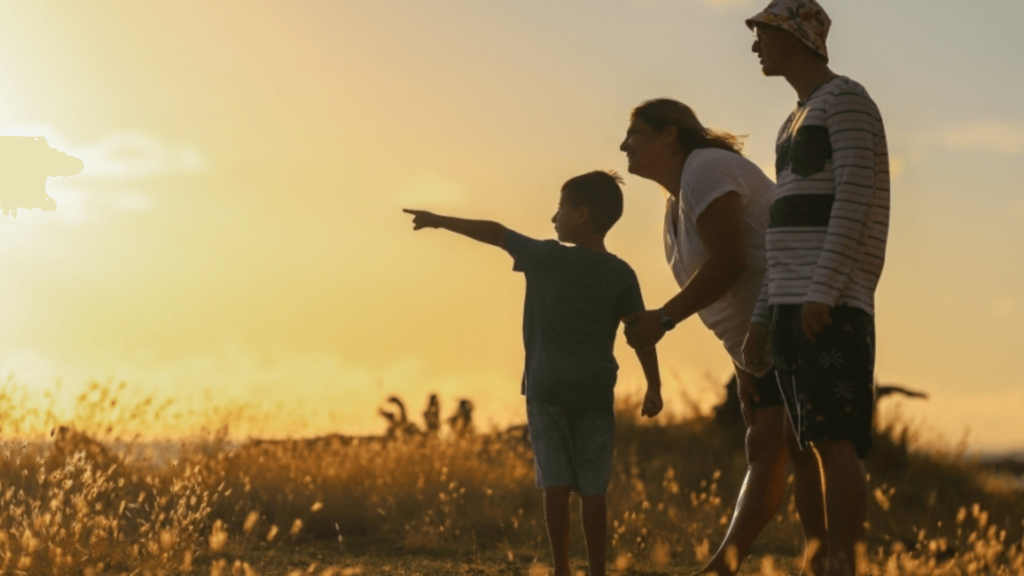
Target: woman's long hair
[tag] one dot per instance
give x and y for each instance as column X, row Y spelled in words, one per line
column 661, row 113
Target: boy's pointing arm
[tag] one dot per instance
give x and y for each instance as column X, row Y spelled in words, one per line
column 479, row 230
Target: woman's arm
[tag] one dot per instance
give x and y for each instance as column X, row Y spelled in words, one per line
column 720, row 226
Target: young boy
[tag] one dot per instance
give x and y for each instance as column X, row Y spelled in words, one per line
column 576, row 296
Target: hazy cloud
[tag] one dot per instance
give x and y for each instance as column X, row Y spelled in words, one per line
column 77, row 207
column 988, row 419
column 1004, row 306
column 986, row 136
column 429, row 191
column 119, row 155
column 138, row 155
column 897, row 165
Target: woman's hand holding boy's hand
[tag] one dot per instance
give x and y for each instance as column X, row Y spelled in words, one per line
column 643, row 329
column 652, row 404
column 423, row 219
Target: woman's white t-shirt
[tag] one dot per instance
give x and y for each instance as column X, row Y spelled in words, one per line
column 708, row 174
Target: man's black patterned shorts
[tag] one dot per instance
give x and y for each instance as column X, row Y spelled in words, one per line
column 828, row 386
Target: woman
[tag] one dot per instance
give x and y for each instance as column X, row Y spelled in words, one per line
column 715, row 221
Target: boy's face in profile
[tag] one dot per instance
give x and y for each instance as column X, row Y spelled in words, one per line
column 570, row 221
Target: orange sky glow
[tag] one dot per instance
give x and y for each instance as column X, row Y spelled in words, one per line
column 236, row 235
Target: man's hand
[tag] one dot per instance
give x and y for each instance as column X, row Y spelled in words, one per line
column 643, row 329
column 652, row 403
column 815, row 318
column 423, row 219
column 757, row 349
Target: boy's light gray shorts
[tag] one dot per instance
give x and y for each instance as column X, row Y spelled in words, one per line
column 571, row 448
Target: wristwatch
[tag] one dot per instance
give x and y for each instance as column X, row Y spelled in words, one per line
column 666, row 321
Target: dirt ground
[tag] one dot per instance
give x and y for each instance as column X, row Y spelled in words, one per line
column 326, row 558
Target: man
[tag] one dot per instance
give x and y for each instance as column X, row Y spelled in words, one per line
column 826, row 245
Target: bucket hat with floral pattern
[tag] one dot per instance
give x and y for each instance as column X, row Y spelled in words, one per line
column 806, row 19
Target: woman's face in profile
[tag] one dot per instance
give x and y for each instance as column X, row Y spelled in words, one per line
column 642, row 146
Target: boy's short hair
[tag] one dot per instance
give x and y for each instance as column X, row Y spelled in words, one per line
column 600, row 193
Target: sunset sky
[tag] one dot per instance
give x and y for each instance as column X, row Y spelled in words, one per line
column 236, row 234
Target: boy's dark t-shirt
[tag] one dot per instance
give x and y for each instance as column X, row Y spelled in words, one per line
column 575, row 299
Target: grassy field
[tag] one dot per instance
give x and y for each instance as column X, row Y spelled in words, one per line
column 86, row 501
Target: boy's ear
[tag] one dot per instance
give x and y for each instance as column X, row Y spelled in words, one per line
column 583, row 214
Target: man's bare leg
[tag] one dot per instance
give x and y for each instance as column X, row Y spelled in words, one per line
column 810, row 503
column 556, row 516
column 761, row 494
column 595, row 531
column 846, row 495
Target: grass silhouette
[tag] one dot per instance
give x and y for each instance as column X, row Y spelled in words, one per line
column 85, row 500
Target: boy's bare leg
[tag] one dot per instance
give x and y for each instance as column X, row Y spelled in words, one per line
column 761, row 493
column 846, row 495
column 810, row 502
column 556, row 516
column 595, row 531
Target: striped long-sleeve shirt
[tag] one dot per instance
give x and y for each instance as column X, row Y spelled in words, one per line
column 830, row 216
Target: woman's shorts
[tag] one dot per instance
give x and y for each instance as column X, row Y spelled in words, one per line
column 827, row 386
column 571, row 448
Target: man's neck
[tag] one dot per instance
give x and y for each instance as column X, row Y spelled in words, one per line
column 808, row 77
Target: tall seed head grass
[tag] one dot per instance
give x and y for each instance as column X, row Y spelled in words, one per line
column 90, row 498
